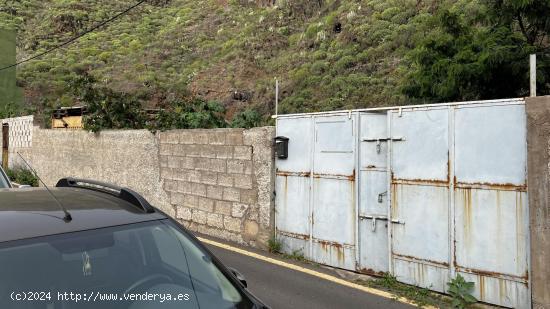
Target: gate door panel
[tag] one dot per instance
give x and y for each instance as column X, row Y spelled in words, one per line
column 292, row 184
column 420, row 197
column 491, row 204
column 333, row 209
column 373, row 193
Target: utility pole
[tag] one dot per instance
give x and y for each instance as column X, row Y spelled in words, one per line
column 533, row 74
column 276, row 97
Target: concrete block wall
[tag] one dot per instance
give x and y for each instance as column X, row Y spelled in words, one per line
column 127, row 158
column 221, row 182
column 218, row 182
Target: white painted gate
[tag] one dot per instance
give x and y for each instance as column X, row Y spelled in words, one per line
column 439, row 190
column 373, row 193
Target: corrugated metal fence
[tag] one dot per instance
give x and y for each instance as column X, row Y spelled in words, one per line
column 421, row 192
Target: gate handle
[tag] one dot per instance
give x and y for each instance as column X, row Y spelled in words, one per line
column 381, row 195
column 374, row 218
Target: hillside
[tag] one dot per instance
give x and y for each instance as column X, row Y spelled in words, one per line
column 328, row 54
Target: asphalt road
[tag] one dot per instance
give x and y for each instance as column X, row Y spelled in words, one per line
column 281, row 287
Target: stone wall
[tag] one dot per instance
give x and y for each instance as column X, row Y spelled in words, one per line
column 221, row 181
column 538, row 154
column 218, row 182
column 127, row 158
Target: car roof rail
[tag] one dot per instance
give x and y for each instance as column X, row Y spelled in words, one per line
column 125, row 194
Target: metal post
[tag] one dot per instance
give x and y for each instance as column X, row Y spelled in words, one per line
column 533, row 74
column 390, row 191
column 451, row 201
column 276, row 97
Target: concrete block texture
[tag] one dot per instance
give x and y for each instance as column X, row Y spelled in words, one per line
column 219, row 182
column 538, row 165
column 228, row 177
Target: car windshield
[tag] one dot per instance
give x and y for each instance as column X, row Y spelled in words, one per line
column 135, row 266
column 3, row 180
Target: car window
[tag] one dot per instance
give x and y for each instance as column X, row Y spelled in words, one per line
column 206, row 272
column 136, row 260
column 4, row 182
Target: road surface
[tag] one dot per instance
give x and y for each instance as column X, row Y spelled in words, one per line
column 281, row 287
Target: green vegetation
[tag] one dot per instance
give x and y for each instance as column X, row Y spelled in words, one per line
column 274, row 245
column 10, row 95
column 477, row 52
column 108, row 109
column 420, row 296
column 191, row 114
column 22, row 176
column 329, row 54
column 248, row 118
column 296, row 255
column 460, row 291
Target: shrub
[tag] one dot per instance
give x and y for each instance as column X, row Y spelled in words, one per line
column 460, row 290
column 248, row 118
column 274, row 245
column 22, row 176
column 191, row 113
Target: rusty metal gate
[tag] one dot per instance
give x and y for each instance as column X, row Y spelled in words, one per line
column 421, row 192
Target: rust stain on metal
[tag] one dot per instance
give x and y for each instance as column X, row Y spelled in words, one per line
column 501, row 289
column 493, row 274
column 347, row 177
column 329, row 247
column 448, row 168
column 481, row 287
column 394, row 207
column 519, row 227
column 467, row 198
column 491, row 186
column 294, row 235
column 326, row 243
column 295, row 174
column 371, row 272
column 324, row 246
column 454, row 252
column 421, row 272
column 340, row 254
column 413, row 258
column 420, row 182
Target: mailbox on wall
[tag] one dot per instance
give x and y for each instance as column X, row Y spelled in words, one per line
column 281, row 147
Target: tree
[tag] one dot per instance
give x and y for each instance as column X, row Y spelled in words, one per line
column 530, row 17
column 107, row 109
column 481, row 57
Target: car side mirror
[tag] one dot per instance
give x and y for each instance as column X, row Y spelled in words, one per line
column 238, row 275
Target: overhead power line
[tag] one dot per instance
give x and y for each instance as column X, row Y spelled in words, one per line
column 101, row 24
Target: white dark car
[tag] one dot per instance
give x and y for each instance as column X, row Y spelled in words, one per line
column 87, row 244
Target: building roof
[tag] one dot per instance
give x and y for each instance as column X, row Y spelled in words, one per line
column 33, row 212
